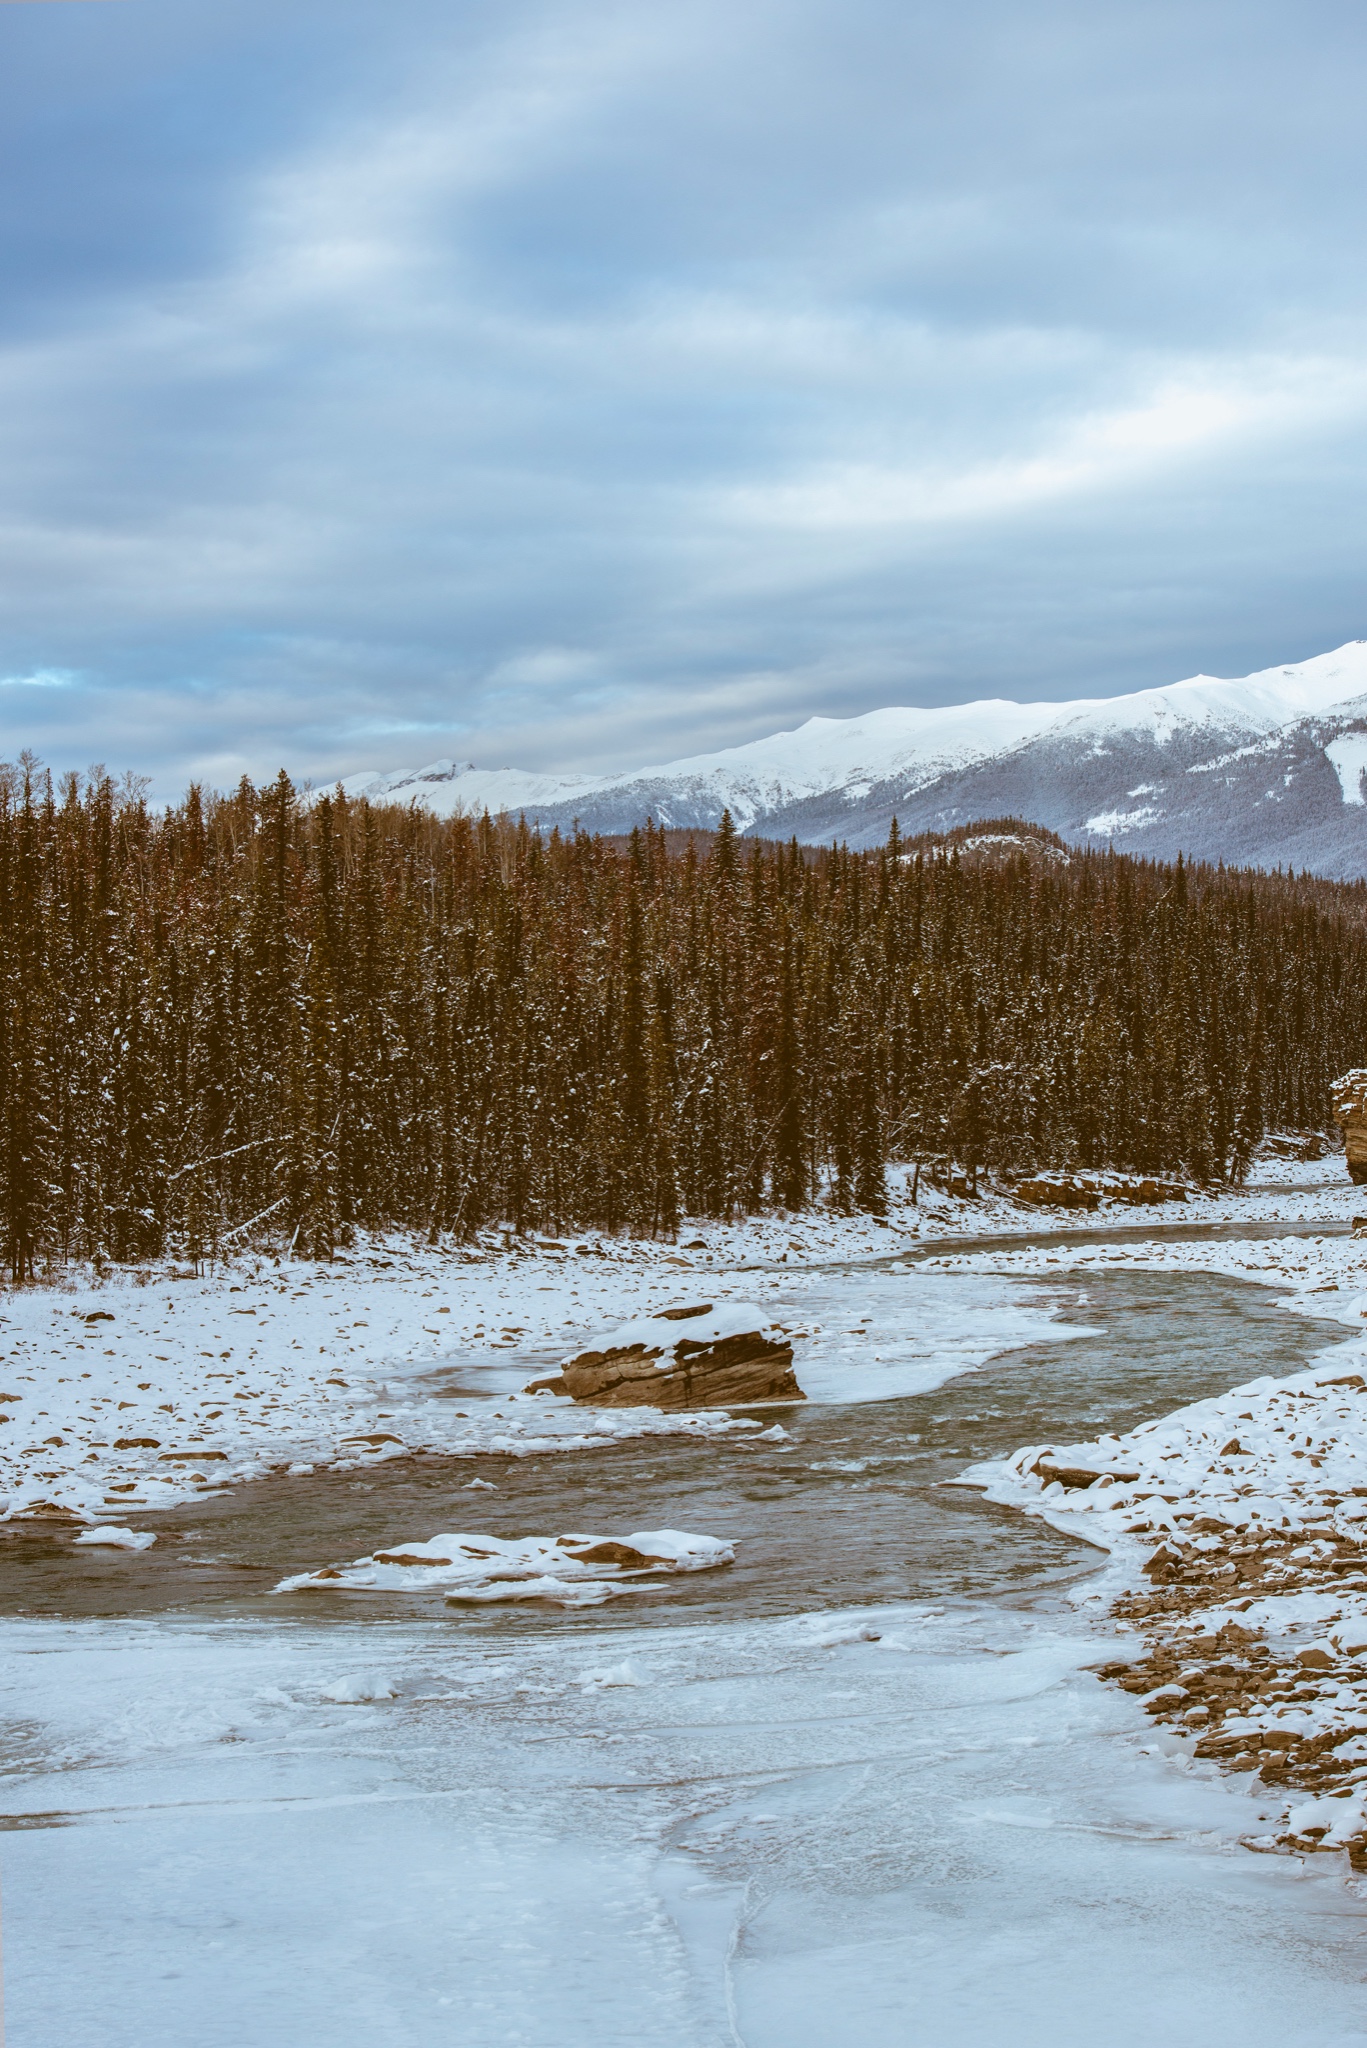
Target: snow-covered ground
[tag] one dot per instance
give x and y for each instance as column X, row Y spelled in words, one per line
column 918, row 1823
column 149, row 1388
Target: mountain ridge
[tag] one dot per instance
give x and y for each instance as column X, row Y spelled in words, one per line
column 1263, row 770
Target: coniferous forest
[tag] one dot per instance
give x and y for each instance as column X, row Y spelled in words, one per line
column 256, row 1018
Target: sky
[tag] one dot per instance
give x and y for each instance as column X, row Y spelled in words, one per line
column 580, row 385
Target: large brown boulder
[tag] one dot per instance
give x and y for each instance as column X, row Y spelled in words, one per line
column 708, row 1367
column 1350, row 1109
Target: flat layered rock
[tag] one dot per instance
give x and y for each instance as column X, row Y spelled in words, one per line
column 655, row 1363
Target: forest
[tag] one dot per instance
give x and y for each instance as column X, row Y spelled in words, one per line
column 267, row 1018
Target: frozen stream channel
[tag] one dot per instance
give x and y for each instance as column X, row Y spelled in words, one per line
column 857, row 1789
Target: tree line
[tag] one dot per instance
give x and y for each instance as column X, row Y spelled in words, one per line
column 258, row 1018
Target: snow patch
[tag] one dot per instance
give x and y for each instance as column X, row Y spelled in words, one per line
column 117, row 1539
column 1347, row 756
column 1107, row 824
column 571, row 1570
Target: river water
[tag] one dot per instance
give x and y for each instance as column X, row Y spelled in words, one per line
column 859, row 1787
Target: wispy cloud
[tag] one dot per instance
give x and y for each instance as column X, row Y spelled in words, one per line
column 41, row 679
column 576, row 385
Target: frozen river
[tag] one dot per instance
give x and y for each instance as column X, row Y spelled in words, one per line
column 858, row 1788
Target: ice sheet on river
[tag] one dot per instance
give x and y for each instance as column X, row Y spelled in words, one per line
column 883, row 1334
column 597, row 1836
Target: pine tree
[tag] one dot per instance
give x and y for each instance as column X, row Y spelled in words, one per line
column 791, row 1142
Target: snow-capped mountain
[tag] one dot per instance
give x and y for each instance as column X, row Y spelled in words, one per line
column 1265, row 770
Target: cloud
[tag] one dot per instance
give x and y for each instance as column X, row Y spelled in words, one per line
column 1184, row 418
column 41, row 679
column 572, row 384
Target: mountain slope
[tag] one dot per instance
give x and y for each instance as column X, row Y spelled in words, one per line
column 1263, row 770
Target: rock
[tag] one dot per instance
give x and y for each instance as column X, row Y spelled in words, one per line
column 1221, row 1745
column 401, row 1557
column 1294, row 1145
column 610, row 1552
column 1148, row 1190
column 1315, row 1659
column 1057, row 1191
column 1075, row 1475
column 1084, row 1191
column 725, row 1372
column 1350, row 1111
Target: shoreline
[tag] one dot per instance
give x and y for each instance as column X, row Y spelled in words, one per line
column 151, row 1387
column 1235, row 1582
column 1233, row 1532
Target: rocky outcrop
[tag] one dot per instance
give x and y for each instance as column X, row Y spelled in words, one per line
column 709, row 1367
column 1304, row 1145
column 1085, row 1191
column 1350, row 1110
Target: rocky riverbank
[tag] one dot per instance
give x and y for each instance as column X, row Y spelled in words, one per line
column 1238, row 1529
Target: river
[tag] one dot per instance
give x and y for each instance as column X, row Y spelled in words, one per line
column 858, row 1787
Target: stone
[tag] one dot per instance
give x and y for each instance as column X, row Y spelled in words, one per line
column 1085, row 1191
column 1079, row 1476
column 1294, row 1145
column 1350, row 1112
column 609, row 1552
column 1147, row 1190
column 728, row 1372
column 1057, row 1191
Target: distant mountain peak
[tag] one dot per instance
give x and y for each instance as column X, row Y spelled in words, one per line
column 1184, row 766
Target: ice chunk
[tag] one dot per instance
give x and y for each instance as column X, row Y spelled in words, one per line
column 475, row 1567
column 357, row 1692
column 117, row 1539
column 624, row 1673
